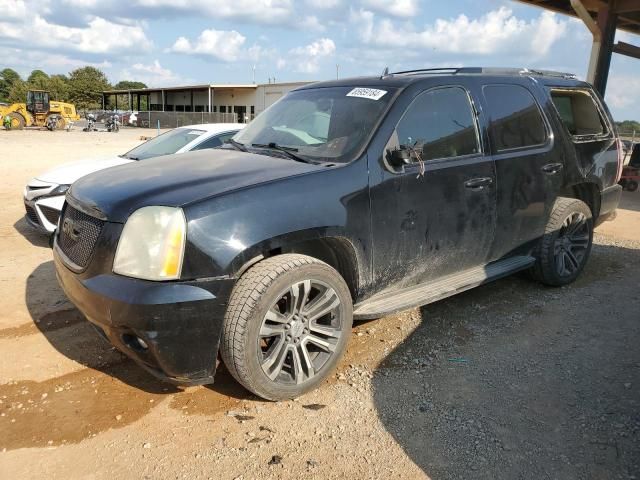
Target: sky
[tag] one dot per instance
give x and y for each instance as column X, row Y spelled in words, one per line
column 177, row 42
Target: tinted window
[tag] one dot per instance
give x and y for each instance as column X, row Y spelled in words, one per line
column 165, row 144
column 516, row 121
column 439, row 123
column 578, row 111
column 209, row 143
column 214, row 141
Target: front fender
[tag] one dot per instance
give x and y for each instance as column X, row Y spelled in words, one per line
column 226, row 232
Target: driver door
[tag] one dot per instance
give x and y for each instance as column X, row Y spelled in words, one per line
column 436, row 215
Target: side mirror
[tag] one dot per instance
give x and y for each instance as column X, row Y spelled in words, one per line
column 399, row 157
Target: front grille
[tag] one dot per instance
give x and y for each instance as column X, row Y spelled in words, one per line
column 31, row 214
column 51, row 214
column 78, row 235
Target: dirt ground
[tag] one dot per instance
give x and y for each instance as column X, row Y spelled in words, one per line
column 511, row 380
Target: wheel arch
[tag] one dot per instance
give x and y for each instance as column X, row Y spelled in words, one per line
column 331, row 247
column 589, row 193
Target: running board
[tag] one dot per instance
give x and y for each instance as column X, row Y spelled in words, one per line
column 391, row 302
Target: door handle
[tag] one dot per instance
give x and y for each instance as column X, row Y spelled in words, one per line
column 552, row 168
column 478, row 183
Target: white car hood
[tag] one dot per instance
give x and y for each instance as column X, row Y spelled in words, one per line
column 70, row 172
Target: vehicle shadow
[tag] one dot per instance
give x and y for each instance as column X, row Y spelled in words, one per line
column 630, row 201
column 34, row 237
column 517, row 380
column 72, row 335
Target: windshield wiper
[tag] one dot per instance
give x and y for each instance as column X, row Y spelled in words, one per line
column 129, row 157
column 238, row 145
column 286, row 150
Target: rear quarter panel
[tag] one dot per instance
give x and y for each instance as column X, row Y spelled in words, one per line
column 594, row 161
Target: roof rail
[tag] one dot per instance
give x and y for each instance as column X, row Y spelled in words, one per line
column 441, row 70
column 485, row 70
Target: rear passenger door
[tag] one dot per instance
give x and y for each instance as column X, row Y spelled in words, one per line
column 529, row 168
column 435, row 217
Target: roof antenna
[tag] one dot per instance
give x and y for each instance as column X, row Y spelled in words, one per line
column 385, row 73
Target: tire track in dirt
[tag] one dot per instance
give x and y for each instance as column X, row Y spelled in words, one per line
column 49, row 322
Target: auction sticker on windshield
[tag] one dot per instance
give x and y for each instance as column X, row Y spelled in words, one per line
column 370, row 93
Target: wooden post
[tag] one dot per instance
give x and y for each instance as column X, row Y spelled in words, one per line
column 607, row 19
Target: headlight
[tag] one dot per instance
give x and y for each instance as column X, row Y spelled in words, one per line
column 59, row 190
column 151, row 246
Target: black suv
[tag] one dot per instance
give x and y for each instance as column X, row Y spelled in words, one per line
column 347, row 199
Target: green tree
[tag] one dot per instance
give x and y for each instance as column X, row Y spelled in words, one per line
column 8, row 77
column 18, row 92
column 123, row 100
column 128, row 85
column 37, row 77
column 86, row 85
column 628, row 126
column 58, row 87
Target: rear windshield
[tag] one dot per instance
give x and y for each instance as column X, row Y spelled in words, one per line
column 165, row 144
column 321, row 124
column 579, row 113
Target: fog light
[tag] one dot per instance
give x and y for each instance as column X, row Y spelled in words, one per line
column 134, row 342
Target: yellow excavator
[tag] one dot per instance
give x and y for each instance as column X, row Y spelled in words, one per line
column 38, row 111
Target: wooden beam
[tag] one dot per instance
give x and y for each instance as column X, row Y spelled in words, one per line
column 627, row 6
column 607, row 23
column 627, row 49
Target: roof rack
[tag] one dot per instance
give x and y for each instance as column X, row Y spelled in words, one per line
column 485, row 70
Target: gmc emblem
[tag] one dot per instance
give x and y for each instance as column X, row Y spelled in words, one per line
column 68, row 227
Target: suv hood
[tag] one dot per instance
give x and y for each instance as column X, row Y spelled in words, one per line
column 118, row 192
column 70, row 172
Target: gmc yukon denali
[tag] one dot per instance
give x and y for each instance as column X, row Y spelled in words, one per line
column 349, row 199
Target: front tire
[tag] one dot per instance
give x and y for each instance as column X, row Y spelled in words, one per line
column 287, row 325
column 565, row 246
column 17, row 121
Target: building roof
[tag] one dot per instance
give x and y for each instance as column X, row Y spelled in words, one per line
column 628, row 10
column 218, row 86
column 180, row 88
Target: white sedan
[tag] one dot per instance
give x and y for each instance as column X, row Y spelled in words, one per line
column 44, row 194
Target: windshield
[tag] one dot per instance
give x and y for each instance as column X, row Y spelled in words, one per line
column 165, row 144
column 322, row 124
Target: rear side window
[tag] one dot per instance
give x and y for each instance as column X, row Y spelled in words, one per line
column 516, row 121
column 579, row 112
column 214, row 141
column 440, row 124
column 209, row 143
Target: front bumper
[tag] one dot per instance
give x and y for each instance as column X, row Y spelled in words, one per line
column 179, row 323
column 42, row 213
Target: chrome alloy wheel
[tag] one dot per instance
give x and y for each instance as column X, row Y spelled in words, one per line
column 571, row 245
column 300, row 332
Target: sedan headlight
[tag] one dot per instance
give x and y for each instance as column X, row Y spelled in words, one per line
column 59, row 190
column 151, row 246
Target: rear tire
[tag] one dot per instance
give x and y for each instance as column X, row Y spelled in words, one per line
column 287, row 325
column 564, row 248
column 631, row 185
